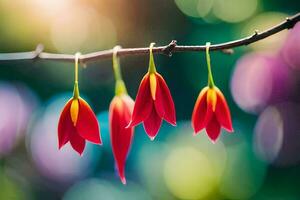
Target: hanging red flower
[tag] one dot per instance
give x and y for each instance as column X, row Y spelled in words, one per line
column 153, row 102
column 120, row 112
column 211, row 110
column 77, row 122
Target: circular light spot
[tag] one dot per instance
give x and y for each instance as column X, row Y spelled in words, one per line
column 251, row 82
column 289, row 123
column 268, row 137
column 188, row 173
column 82, row 30
column 195, row 8
column 234, row 10
column 260, row 80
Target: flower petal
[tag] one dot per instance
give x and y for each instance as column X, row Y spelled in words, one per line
column 223, row 112
column 152, row 124
column 164, row 102
column 200, row 110
column 153, row 84
column 212, row 98
column 77, row 142
column 213, row 129
column 87, row 124
column 65, row 125
column 121, row 137
column 74, row 110
column 143, row 103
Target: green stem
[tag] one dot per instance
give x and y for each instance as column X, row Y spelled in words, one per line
column 120, row 87
column 152, row 68
column 211, row 83
column 76, row 88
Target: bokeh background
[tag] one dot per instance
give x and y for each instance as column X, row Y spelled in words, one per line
column 261, row 82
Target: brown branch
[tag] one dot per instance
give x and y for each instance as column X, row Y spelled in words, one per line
column 165, row 50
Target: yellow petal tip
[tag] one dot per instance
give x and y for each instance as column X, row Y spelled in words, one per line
column 153, row 85
column 74, row 110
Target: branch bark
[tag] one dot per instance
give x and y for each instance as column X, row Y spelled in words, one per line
column 226, row 47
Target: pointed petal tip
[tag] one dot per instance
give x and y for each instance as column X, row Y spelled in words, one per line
column 230, row 130
column 152, row 138
column 173, row 123
column 213, row 141
column 79, row 153
column 123, row 180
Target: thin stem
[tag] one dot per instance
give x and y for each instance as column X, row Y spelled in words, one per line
column 211, row 83
column 116, row 63
column 120, row 87
column 152, row 68
column 76, row 66
column 76, row 88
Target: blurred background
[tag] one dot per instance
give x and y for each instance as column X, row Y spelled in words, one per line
column 261, row 82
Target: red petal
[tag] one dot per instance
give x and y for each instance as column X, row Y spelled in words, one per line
column 152, row 124
column 163, row 102
column 77, row 142
column 223, row 112
column 121, row 137
column 87, row 124
column 200, row 111
column 143, row 103
column 65, row 125
column 213, row 128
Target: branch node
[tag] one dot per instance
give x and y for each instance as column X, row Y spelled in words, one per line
column 228, row 51
column 289, row 23
column 255, row 33
column 38, row 50
column 169, row 48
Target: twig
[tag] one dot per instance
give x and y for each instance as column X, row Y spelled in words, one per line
column 165, row 50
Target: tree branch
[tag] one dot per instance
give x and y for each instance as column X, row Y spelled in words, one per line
column 165, row 50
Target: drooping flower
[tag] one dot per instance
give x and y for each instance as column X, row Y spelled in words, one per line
column 77, row 122
column 153, row 102
column 120, row 112
column 211, row 110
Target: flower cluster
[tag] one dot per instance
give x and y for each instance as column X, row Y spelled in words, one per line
column 153, row 104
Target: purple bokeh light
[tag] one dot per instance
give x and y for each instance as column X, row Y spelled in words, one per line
column 277, row 135
column 259, row 80
column 16, row 105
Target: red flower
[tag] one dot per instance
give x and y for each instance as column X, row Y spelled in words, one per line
column 78, row 123
column 211, row 112
column 153, row 103
column 120, row 111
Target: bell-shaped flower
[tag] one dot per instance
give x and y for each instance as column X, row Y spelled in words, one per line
column 153, row 102
column 77, row 122
column 211, row 112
